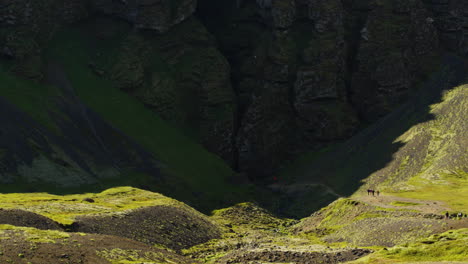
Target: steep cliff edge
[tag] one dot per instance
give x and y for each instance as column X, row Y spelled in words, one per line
column 257, row 83
column 310, row 73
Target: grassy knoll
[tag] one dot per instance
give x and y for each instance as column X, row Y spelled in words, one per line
column 32, row 234
column 64, row 209
column 451, row 189
column 448, row 246
column 357, row 223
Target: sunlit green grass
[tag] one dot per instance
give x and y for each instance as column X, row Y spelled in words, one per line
column 64, row 208
column 452, row 189
column 448, row 246
column 32, row 234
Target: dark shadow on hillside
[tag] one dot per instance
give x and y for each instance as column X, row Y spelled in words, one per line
column 85, row 153
column 91, row 154
column 344, row 167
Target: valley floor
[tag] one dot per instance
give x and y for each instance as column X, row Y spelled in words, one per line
column 128, row 225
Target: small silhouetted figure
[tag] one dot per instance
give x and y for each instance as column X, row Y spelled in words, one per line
column 446, row 215
column 378, row 192
column 369, row 191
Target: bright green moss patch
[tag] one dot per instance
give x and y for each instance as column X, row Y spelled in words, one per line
column 248, row 216
column 448, row 246
column 64, row 209
column 32, row 234
column 451, row 189
column 342, row 212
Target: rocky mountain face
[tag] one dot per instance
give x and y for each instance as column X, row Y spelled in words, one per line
column 256, row 82
column 307, row 73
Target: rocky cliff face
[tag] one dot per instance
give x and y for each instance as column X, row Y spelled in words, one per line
column 308, row 72
column 395, row 39
column 159, row 15
column 257, row 82
column 451, row 19
column 180, row 75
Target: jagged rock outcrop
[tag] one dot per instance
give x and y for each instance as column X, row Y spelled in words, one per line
column 27, row 24
column 319, row 65
column 189, row 80
column 185, row 79
column 396, row 38
column 290, row 81
column 281, row 78
column 451, row 19
column 267, row 130
column 159, row 15
column 320, row 88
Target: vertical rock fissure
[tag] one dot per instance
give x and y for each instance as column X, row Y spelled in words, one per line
column 354, row 39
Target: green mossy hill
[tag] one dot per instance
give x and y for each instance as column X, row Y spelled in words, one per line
column 422, row 141
column 30, row 245
column 250, row 216
column 360, row 224
column 335, row 215
column 127, row 212
column 175, row 228
column 65, row 208
column 432, row 151
column 440, row 248
column 384, row 231
column 253, row 234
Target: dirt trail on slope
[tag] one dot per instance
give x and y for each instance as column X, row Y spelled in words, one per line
column 389, row 201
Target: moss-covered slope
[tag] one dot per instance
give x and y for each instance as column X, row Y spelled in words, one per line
column 423, row 138
column 125, row 212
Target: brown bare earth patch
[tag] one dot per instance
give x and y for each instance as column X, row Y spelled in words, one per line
column 377, row 221
column 385, row 231
column 25, row 246
column 260, row 257
column 172, row 227
column 389, row 201
column 28, row 219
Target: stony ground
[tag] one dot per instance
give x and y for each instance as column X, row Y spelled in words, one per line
column 395, row 202
column 28, row 245
column 368, row 229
